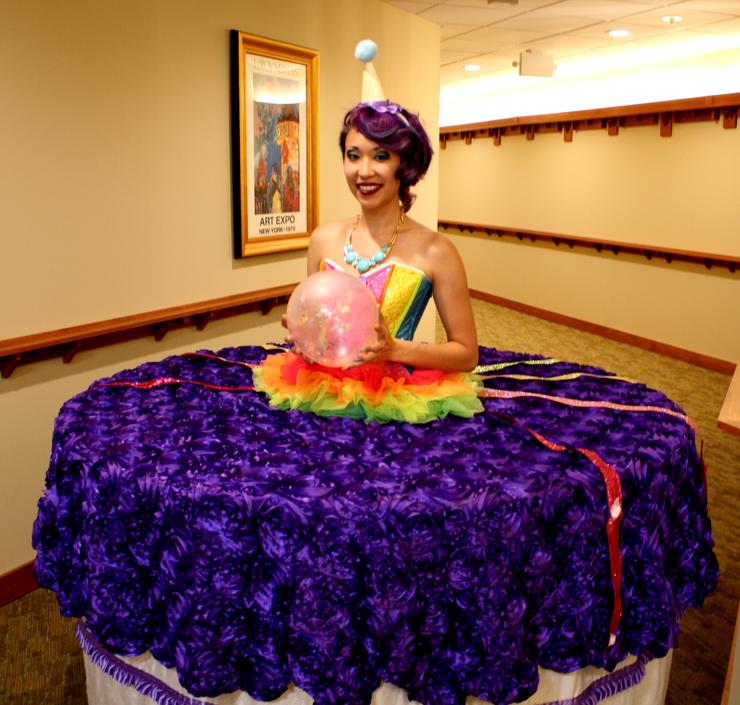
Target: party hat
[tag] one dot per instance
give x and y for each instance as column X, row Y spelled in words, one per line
column 372, row 91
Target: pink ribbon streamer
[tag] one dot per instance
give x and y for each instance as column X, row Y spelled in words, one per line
column 211, row 356
column 491, row 393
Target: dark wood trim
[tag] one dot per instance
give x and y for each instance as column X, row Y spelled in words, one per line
column 695, row 358
column 729, row 415
column 17, row 582
column 704, row 259
column 664, row 114
column 67, row 342
column 235, row 132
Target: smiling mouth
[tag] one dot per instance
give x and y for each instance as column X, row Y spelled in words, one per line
column 368, row 189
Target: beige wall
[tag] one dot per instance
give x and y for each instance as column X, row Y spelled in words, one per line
column 115, row 181
column 116, row 150
column 677, row 192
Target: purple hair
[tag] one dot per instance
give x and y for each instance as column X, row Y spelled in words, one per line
column 396, row 129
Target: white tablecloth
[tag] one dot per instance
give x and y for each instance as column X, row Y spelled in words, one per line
column 586, row 686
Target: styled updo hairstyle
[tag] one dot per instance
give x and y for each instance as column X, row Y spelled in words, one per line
column 396, row 129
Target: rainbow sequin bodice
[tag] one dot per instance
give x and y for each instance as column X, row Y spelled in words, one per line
column 402, row 292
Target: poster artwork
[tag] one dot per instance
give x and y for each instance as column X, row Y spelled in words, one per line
column 278, row 124
column 277, row 155
column 274, row 144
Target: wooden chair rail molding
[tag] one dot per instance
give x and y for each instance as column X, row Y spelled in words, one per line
column 704, row 259
column 67, row 342
column 664, row 114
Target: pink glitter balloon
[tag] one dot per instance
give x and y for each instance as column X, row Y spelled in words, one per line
column 331, row 318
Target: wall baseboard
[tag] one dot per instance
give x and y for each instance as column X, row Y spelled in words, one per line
column 695, row 358
column 17, row 582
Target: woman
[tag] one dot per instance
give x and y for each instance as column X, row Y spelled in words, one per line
column 386, row 151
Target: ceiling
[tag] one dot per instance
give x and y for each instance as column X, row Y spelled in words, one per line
column 492, row 34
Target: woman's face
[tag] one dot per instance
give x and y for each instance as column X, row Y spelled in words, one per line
column 370, row 171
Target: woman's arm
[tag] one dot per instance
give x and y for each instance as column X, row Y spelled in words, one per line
column 450, row 286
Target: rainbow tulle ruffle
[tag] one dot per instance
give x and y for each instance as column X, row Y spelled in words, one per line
column 380, row 392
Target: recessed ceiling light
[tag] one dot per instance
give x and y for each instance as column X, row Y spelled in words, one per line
column 672, row 19
column 472, row 67
column 617, row 33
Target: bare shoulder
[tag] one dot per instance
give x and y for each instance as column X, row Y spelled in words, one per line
column 328, row 238
column 436, row 250
column 326, row 242
column 441, row 247
column 328, row 232
column 428, row 239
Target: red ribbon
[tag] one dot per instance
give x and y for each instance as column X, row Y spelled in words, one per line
column 614, row 504
column 163, row 381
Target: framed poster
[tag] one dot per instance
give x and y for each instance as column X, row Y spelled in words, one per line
column 274, row 124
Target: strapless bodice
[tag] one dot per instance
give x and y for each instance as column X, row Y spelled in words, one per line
column 402, row 293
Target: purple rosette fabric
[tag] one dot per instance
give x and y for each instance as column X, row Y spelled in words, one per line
column 251, row 548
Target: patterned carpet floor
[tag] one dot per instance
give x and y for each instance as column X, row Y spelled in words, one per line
column 41, row 664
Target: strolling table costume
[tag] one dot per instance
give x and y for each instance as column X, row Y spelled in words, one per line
column 553, row 517
column 243, row 524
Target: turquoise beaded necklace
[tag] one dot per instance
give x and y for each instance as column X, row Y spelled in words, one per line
column 362, row 264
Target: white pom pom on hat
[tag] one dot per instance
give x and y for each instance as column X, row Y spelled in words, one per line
column 372, row 91
column 366, row 50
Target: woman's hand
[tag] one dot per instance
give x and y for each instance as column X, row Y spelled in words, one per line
column 288, row 339
column 383, row 347
column 291, row 343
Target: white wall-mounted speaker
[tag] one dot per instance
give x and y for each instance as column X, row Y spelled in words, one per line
column 532, row 63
